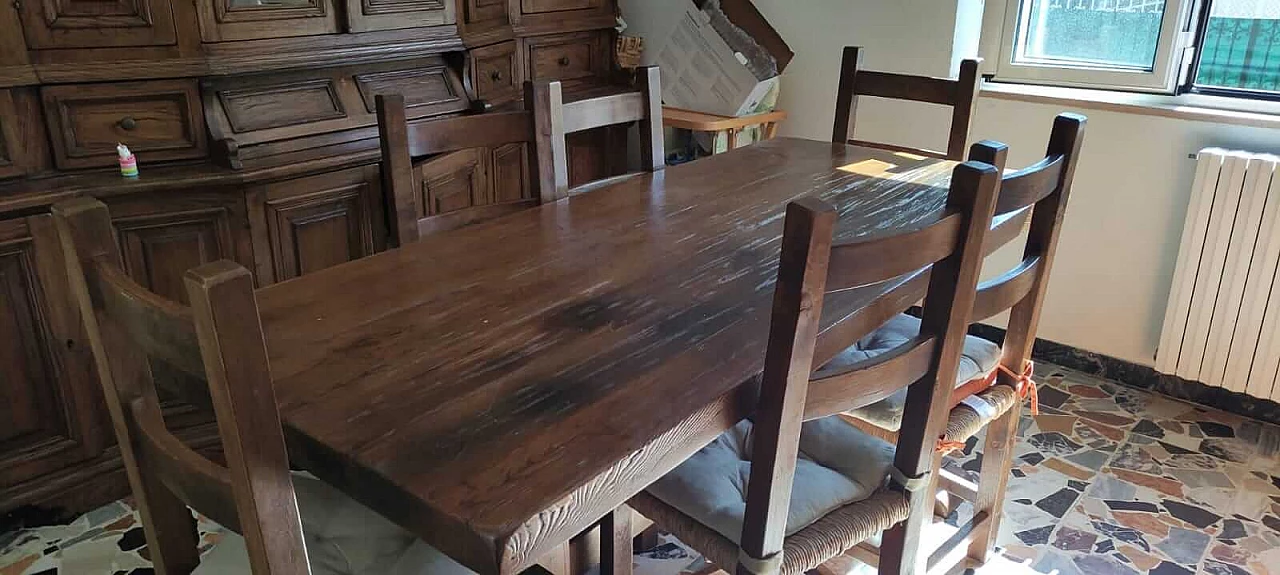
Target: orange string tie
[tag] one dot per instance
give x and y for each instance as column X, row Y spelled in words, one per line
column 945, row 447
column 1026, row 386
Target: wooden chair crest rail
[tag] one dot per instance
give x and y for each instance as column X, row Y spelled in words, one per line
column 960, row 94
column 797, row 403
column 991, row 393
column 554, row 118
column 218, row 340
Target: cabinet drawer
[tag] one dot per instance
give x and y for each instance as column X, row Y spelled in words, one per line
column 567, row 56
column 158, row 120
column 496, row 72
column 540, row 6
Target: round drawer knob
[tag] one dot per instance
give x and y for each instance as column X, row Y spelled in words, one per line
column 563, row 61
column 128, row 124
column 496, row 76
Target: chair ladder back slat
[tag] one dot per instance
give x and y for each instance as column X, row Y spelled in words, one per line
column 487, row 130
column 864, row 262
column 866, row 382
column 840, row 333
column 1001, row 293
column 398, row 185
column 161, row 328
column 199, row 483
column 960, row 94
column 84, row 230
column 235, row 355
column 794, row 324
column 592, row 113
column 949, row 301
column 1028, row 186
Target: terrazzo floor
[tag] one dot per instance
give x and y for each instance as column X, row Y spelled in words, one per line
column 1107, row 480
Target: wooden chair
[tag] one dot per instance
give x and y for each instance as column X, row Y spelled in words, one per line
column 960, row 94
column 993, row 396
column 554, row 119
column 402, row 142
column 756, row 528
column 219, row 341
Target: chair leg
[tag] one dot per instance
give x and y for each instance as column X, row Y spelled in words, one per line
column 903, row 550
column 615, row 542
column 993, row 479
column 172, row 540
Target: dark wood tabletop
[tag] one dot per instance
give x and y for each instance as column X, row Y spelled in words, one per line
column 501, row 387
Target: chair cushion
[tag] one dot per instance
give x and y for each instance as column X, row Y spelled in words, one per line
column 838, row 465
column 343, row 537
column 979, row 358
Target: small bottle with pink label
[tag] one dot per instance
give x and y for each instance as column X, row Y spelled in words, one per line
column 128, row 162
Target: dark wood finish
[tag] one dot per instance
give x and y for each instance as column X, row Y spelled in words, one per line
column 478, row 170
column 536, row 6
column 158, row 120
column 496, row 72
column 367, row 15
column 19, row 127
column 220, row 336
column 167, row 64
column 276, row 114
column 960, row 94
column 1024, row 287
column 51, row 407
column 555, row 119
column 567, row 57
column 929, row 400
column 88, row 24
column 161, row 240
column 315, row 222
column 562, row 386
column 223, row 20
column 793, row 331
column 615, row 542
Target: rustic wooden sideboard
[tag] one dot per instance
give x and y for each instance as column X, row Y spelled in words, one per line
column 253, row 123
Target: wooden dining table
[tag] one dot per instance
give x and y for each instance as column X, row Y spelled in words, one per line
column 500, row 388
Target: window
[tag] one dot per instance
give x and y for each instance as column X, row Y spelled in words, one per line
column 1229, row 47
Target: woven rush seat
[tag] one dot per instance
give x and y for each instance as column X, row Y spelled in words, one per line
column 840, row 496
column 979, row 358
column 343, row 537
column 971, row 416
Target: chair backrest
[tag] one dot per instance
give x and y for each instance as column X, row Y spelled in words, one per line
column 960, row 94
column 554, row 119
column 217, row 340
column 1041, row 189
column 408, row 208
column 811, row 267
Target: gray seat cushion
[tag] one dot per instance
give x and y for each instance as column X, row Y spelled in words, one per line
column 980, row 359
column 343, row 537
column 838, row 465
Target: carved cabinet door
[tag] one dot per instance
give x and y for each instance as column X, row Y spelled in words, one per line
column 97, row 23
column 51, row 408
column 368, row 15
column 223, row 20
column 308, row 224
column 455, row 181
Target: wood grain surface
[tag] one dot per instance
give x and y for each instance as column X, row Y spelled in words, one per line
column 501, row 387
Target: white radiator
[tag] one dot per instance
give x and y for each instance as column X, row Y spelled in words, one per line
column 1222, row 326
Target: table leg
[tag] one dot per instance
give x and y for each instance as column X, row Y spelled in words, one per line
column 615, row 542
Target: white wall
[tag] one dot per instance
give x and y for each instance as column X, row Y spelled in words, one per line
column 1124, row 220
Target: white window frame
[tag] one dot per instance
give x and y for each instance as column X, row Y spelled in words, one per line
column 1174, row 53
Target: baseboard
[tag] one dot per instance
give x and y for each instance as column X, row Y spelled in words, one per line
column 1143, row 377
